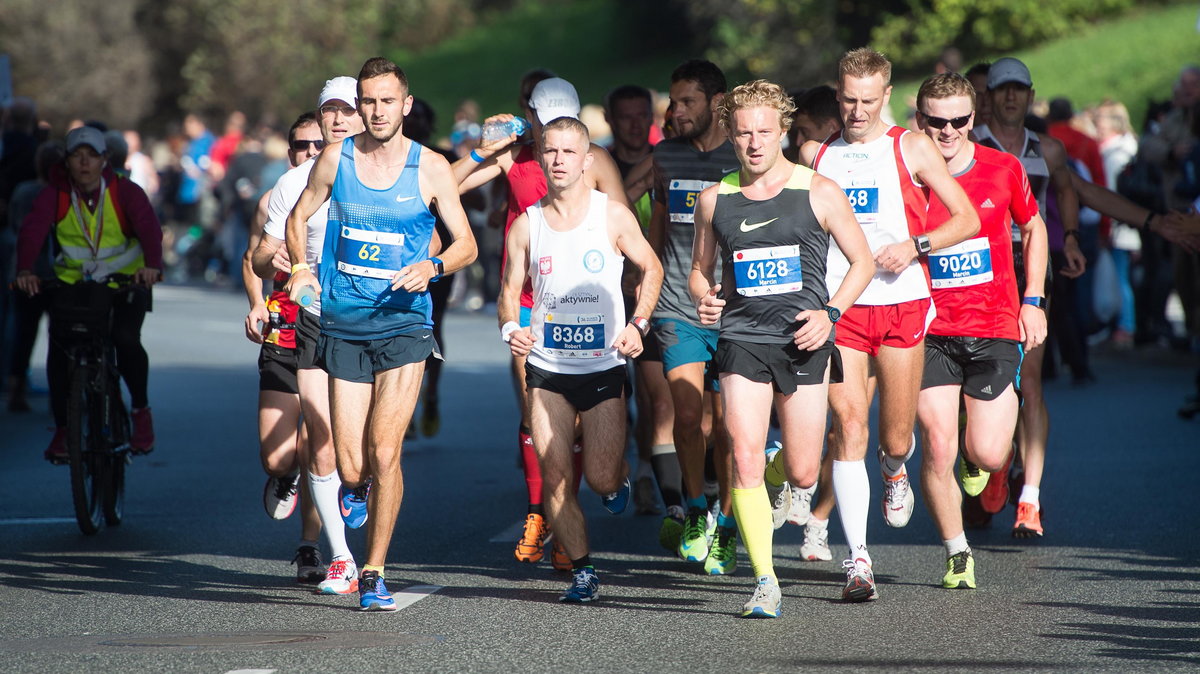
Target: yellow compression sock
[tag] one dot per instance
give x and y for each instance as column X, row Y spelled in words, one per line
column 368, row 567
column 752, row 509
column 775, row 473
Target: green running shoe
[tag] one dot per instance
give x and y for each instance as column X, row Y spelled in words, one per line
column 960, row 572
column 693, row 543
column 974, row 478
column 722, row 557
column 672, row 529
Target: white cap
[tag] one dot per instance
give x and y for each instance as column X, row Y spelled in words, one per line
column 86, row 135
column 554, row 98
column 342, row 88
column 1008, row 69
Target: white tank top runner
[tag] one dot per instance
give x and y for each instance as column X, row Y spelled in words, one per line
column 869, row 174
column 577, row 305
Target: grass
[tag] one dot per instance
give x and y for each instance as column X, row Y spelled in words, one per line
column 1132, row 59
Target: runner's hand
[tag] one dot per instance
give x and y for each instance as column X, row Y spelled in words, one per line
column 415, row 277
column 711, row 306
column 487, row 148
column 28, row 282
column 281, row 260
column 1032, row 322
column 896, row 257
column 815, row 329
column 629, row 342
column 521, row 342
column 255, row 320
column 302, row 277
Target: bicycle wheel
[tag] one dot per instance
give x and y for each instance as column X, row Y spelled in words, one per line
column 114, row 494
column 87, row 489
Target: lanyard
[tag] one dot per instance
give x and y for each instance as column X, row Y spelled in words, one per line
column 93, row 243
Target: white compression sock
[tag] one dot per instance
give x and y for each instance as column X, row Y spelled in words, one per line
column 325, row 496
column 853, row 491
column 892, row 467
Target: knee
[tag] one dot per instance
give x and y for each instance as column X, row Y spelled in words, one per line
column 688, row 419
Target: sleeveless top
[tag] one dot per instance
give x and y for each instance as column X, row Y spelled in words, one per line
column 888, row 205
column 1031, row 158
column 371, row 235
column 774, row 254
column 578, row 310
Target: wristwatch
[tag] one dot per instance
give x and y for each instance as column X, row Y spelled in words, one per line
column 438, row 268
column 834, row 313
column 1039, row 302
column 923, row 245
column 641, row 324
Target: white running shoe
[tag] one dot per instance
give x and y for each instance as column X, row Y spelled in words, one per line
column 279, row 495
column 898, row 497
column 801, row 508
column 766, row 601
column 816, row 544
column 342, row 578
column 860, row 581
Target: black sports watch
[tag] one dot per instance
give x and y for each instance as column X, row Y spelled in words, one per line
column 438, row 268
column 1039, row 302
column 923, row 245
column 834, row 313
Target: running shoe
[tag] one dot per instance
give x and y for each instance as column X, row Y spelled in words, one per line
column 766, row 601
column 897, row 497
column 974, row 478
column 532, row 545
column 693, row 542
column 645, row 497
column 973, row 514
column 56, row 453
column 801, row 508
column 308, row 565
column 585, row 587
column 816, row 544
column 279, row 496
column 341, row 578
column 860, row 581
column 559, row 558
column 353, row 504
column 994, row 496
column 960, row 572
column 672, row 529
column 1029, row 521
column 373, row 594
column 617, row 501
column 142, row 441
column 722, row 557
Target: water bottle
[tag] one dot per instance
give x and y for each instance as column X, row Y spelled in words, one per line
column 502, row 130
column 306, row 296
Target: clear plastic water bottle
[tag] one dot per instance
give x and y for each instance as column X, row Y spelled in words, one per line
column 306, row 296
column 502, row 130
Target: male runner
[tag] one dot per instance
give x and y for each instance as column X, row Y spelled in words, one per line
column 772, row 221
column 338, row 119
column 974, row 344
column 700, row 156
column 1010, row 89
column 880, row 168
column 572, row 245
column 271, row 322
column 375, row 308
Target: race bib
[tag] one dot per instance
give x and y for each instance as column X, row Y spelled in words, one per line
column 864, row 200
column 966, row 264
column 767, row 271
column 574, row 335
column 681, row 199
column 362, row 252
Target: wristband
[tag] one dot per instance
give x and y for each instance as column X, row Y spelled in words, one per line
column 477, row 158
column 1149, row 216
column 302, row 265
column 507, row 329
column 438, row 269
column 642, row 325
column 1071, row 232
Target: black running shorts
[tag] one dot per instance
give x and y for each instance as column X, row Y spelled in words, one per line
column 583, row 391
column 359, row 360
column 784, row 366
column 277, row 369
column 983, row 366
column 308, row 330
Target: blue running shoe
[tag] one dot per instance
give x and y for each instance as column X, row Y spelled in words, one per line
column 373, row 594
column 616, row 502
column 584, row 587
column 353, row 504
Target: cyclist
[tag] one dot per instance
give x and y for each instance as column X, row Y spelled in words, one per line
column 102, row 224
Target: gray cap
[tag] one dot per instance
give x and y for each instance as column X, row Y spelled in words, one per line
column 1008, row 69
column 86, row 135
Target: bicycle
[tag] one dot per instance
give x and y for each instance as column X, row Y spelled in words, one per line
column 98, row 422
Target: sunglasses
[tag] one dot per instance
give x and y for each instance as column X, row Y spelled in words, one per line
column 302, row 145
column 329, row 110
column 941, row 122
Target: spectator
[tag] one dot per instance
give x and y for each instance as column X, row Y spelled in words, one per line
column 1118, row 146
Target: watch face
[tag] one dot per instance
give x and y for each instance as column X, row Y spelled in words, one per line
column 834, row 314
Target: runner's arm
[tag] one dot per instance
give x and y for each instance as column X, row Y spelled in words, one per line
column 516, row 270
column 320, row 185
column 1035, row 249
column 704, row 253
column 1068, row 204
column 250, row 280
column 436, row 178
column 497, row 158
column 607, row 176
column 657, row 231
column 1177, row 228
column 635, row 248
column 640, row 179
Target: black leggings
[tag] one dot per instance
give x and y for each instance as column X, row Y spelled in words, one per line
column 132, row 361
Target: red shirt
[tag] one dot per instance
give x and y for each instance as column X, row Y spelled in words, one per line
column 969, row 301
column 526, row 186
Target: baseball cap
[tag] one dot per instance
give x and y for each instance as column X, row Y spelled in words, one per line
column 342, row 88
column 86, row 135
column 1008, row 69
column 554, row 98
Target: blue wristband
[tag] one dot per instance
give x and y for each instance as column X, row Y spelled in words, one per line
column 1039, row 302
column 476, row 157
column 438, row 267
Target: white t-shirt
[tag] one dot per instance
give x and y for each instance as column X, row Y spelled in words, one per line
column 284, row 196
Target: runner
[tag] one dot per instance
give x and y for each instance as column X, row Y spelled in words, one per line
column 974, row 344
column 772, row 221
column 375, row 321
column 572, row 244
column 880, row 167
column 338, row 119
column 271, row 322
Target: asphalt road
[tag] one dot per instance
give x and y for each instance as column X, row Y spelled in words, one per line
column 197, row 578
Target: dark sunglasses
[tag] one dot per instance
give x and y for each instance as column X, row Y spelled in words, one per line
column 302, row 145
column 941, row 122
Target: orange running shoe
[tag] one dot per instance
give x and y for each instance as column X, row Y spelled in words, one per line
column 559, row 559
column 994, row 496
column 1029, row 521
column 532, row 545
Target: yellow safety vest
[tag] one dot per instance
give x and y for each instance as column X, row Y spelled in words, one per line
column 94, row 255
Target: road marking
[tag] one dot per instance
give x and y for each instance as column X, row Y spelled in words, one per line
column 252, row 671
column 409, row 596
column 21, row 521
column 509, row 535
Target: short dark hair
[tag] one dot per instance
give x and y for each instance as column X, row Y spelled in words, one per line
column 980, row 68
column 704, row 73
column 819, row 103
column 307, row 118
column 378, row 67
column 626, row 92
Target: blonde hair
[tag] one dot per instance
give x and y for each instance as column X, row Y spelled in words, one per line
column 864, row 62
column 759, row 93
column 946, row 85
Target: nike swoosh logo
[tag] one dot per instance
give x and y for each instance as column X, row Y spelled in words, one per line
column 401, row 200
column 751, row 228
column 727, row 171
column 601, row 389
column 345, row 510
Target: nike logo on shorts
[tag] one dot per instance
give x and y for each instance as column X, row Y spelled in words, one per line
column 750, row 228
column 599, row 390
